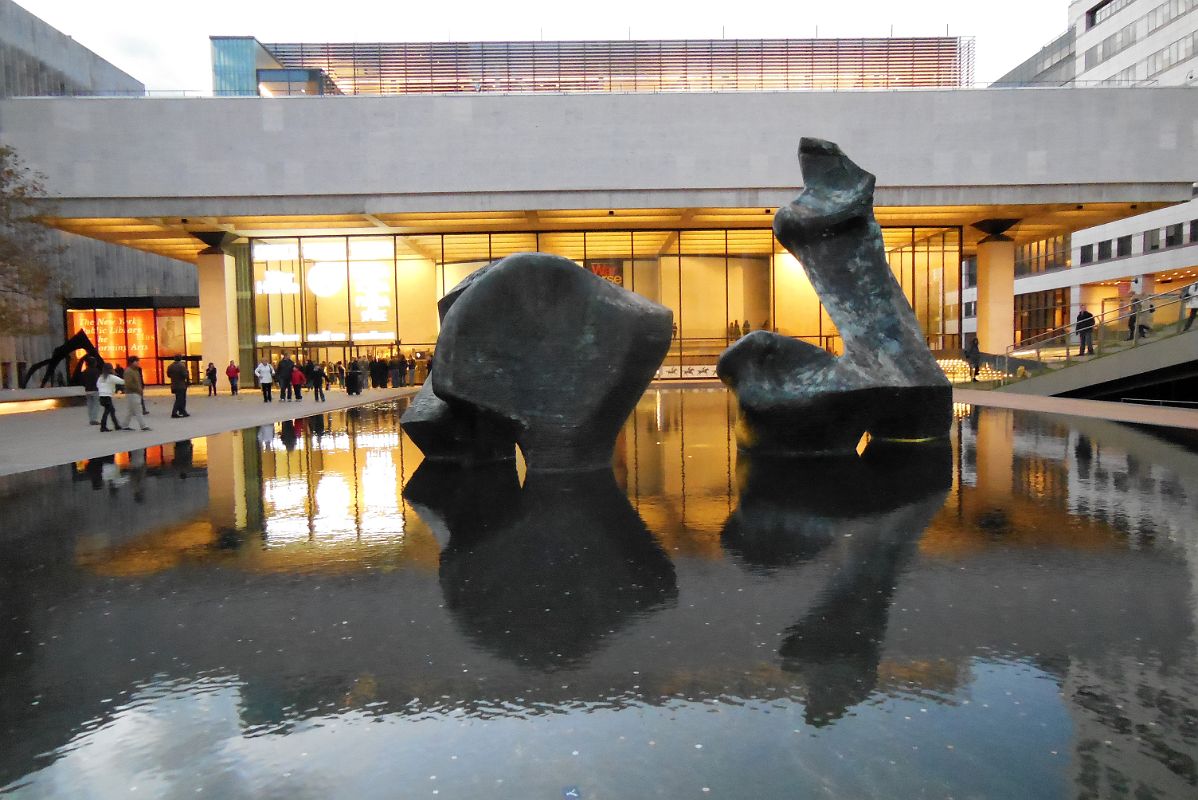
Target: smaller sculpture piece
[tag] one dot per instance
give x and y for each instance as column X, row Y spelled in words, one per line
column 79, row 341
column 549, row 355
column 796, row 398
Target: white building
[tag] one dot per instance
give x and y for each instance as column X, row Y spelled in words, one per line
column 1131, row 43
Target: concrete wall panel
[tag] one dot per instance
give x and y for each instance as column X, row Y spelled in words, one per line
column 464, row 151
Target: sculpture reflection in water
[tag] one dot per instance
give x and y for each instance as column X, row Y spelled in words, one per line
column 540, row 574
column 864, row 515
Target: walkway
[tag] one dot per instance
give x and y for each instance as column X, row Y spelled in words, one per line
column 45, row 438
column 1095, row 409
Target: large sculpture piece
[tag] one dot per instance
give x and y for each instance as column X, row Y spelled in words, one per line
column 455, row 435
column 545, row 354
column 796, row 398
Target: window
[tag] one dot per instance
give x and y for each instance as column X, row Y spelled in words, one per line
column 1173, row 235
column 1123, row 246
column 1194, row 231
column 1104, row 250
column 1152, row 240
column 1087, row 253
column 970, row 309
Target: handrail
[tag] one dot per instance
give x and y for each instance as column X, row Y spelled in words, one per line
column 1057, row 341
column 1151, row 402
column 1099, row 319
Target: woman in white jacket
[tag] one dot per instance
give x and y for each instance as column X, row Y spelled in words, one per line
column 266, row 376
column 106, row 384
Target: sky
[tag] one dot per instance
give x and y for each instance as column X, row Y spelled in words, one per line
column 164, row 43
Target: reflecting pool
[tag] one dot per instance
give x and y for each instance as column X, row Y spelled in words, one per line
column 306, row 611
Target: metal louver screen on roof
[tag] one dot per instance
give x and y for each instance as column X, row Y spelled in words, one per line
column 718, row 65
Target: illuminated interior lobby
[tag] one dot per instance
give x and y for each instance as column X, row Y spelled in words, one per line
column 338, row 297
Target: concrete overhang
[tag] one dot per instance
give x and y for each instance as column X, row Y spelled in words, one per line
column 147, row 172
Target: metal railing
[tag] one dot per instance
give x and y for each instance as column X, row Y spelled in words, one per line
column 1130, row 325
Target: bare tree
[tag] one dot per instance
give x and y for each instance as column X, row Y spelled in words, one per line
column 32, row 279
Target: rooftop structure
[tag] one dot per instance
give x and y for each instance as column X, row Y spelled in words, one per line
column 245, row 66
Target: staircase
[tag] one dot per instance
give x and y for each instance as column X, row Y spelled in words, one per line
column 1052, row 365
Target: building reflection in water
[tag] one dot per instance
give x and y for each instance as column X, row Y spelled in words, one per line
column 316, row 570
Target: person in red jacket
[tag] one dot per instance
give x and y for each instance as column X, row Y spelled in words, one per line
column 297, row 383
column 233, row 373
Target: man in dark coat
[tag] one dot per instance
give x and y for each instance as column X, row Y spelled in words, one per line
column 283, row 377
column 177, row 372
column 1085, row 332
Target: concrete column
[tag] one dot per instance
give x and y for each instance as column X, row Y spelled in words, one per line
column 996, row 294
column 218, row 308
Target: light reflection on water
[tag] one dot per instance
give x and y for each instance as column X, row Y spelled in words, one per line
column 298, row 612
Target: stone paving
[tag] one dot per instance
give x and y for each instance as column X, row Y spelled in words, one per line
column 44, row 438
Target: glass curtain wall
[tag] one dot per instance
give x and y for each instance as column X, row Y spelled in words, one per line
column 335, row 297
column 155, row 335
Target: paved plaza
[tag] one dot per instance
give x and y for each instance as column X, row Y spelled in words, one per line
column 44, row 438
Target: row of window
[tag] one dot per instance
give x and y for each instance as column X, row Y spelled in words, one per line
column 1167, row 58
column 1175, row 236
column 1036, row 313
column 1161, row 61
column 1104, row 11
column 1138, row 30
column 1042, row 256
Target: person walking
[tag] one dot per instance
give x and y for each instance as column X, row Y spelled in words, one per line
column 973, row 357
column 341, row 374
column 265, row 375
column 1134, row 306
column 233, row 373
column 1191, row 296
column 1085, row 332
column 177, row 372
column 283, row 375
column 210, row 376
column 87, row 376
column 319, row 381
column 395, row 372
column 1144, row 317
column 135, row 389
column 411, row 370
column 105, row 388
column 297, row 383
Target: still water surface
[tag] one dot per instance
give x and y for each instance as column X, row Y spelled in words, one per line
column 302, row 611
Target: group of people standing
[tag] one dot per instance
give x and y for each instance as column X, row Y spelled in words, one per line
column 293, row 377
column 737, row 329
column 397, row 371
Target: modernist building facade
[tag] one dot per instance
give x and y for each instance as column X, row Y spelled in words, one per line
column 327, row 211
column 1136, row 44
column 37, row 60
